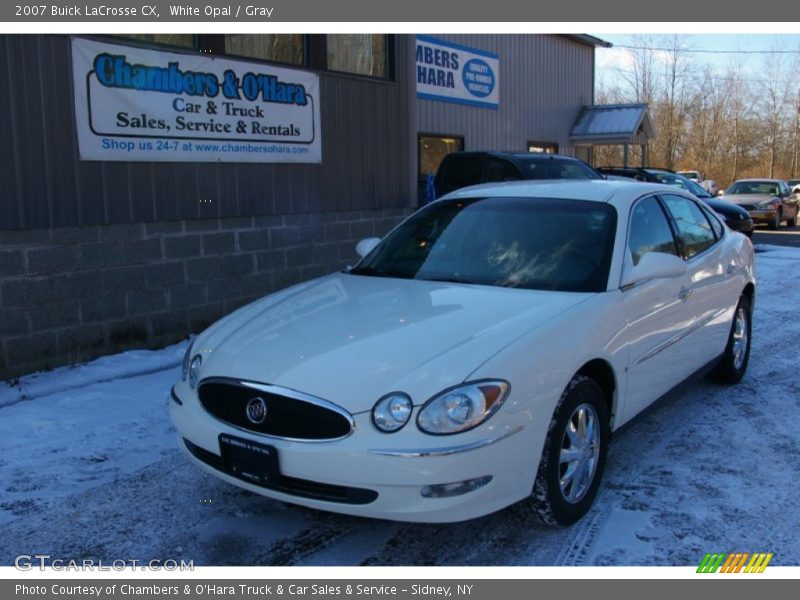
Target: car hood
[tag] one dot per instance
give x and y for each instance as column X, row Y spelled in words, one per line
column 748, row 198
column 351, row 339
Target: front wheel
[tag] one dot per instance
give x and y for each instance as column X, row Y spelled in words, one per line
column 776, row 221
column 574, row 455
column 732, row 366
column 793, row 221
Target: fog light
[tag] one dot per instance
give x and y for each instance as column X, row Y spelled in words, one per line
column 446, row 490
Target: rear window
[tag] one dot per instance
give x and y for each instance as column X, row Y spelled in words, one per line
column 457, row 172
column 555, row 168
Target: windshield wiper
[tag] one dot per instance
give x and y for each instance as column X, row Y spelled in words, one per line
column 453, row 279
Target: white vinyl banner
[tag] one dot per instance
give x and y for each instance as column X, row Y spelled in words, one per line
column 136, row 104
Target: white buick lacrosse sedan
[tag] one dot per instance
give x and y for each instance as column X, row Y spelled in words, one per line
column 479, row 355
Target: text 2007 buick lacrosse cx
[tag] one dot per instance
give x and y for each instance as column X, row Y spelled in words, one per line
column 479, row 355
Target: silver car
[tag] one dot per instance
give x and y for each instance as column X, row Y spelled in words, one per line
column 768, row 201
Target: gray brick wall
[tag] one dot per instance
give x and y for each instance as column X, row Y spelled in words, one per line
column 68, row 295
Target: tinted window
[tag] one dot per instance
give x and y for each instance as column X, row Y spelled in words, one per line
column 458, row 172
column 650, row 231
column 532, row 243
column 502, row 170
column 555, row 168
column 694, row 229
column 681, row 182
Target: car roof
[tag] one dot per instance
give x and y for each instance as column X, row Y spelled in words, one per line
column 597, row 190
column 513, row 154
column 764, row 179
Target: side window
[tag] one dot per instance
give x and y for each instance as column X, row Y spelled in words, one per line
column 458, row 172
column 716, row 225
column 649, row 231
column 694, row 229
column 502, row 170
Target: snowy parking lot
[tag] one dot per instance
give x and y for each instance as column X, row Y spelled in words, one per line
column 90, row 467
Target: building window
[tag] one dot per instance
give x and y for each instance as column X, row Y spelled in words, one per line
column 359, row 53
column 545, row 147
column 282, row 48
column 186, row 40
column 431, row 150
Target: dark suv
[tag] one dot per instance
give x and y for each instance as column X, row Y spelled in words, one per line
column 736, row 218
column 461, row 169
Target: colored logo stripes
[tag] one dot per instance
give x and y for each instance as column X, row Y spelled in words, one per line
column 735, row 562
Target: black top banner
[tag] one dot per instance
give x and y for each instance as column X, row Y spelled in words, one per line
column 465, row 11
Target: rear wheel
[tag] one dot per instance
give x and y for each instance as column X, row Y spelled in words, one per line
column 733, row 365
column 574, row 455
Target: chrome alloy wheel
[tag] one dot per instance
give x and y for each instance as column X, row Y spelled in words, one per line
column 580, row 450
column 740, row 337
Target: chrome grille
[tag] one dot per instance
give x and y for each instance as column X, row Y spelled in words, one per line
column 273, row 411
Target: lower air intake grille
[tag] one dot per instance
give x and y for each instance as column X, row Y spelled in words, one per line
column 291, row 485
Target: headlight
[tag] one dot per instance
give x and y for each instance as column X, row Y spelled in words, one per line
column 764, row 206
column 186, row 358
column 463, row 407
column 194, row 370
column 392, row 412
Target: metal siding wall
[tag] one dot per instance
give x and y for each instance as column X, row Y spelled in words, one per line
column 365, row 149
column 544, row 82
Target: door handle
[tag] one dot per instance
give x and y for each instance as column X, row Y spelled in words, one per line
column 685, row 293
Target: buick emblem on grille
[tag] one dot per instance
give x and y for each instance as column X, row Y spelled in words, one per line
column 256, row 410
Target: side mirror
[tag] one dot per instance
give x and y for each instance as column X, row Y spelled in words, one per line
column 366, row 246
column 653, row 265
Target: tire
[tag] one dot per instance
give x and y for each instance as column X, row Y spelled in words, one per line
column 793, row 221
column 552, row 504
column 733, row 364
column 776, row 222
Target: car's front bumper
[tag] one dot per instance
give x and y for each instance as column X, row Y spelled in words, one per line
column 373, row 474
column 762, row 216
column 745, row 226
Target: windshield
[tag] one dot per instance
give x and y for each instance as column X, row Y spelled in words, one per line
column 531, row 243
column 754, row 187
column 690, row 174
column 556, row 168
column 681, row 182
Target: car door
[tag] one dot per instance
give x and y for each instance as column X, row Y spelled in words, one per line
column 789, row 202
column 712, row 296
column 658, row 313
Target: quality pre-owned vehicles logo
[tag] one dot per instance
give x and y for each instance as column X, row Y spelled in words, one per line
column 734, row 562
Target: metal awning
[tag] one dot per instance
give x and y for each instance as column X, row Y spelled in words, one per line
column 613, row 124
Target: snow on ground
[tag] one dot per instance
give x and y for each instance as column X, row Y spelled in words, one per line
column 90, row 468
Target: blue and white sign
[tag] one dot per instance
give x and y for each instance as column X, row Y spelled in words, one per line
column 454, row 73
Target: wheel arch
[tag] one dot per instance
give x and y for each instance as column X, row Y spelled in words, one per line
column 602, row 373
column 750, row 291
